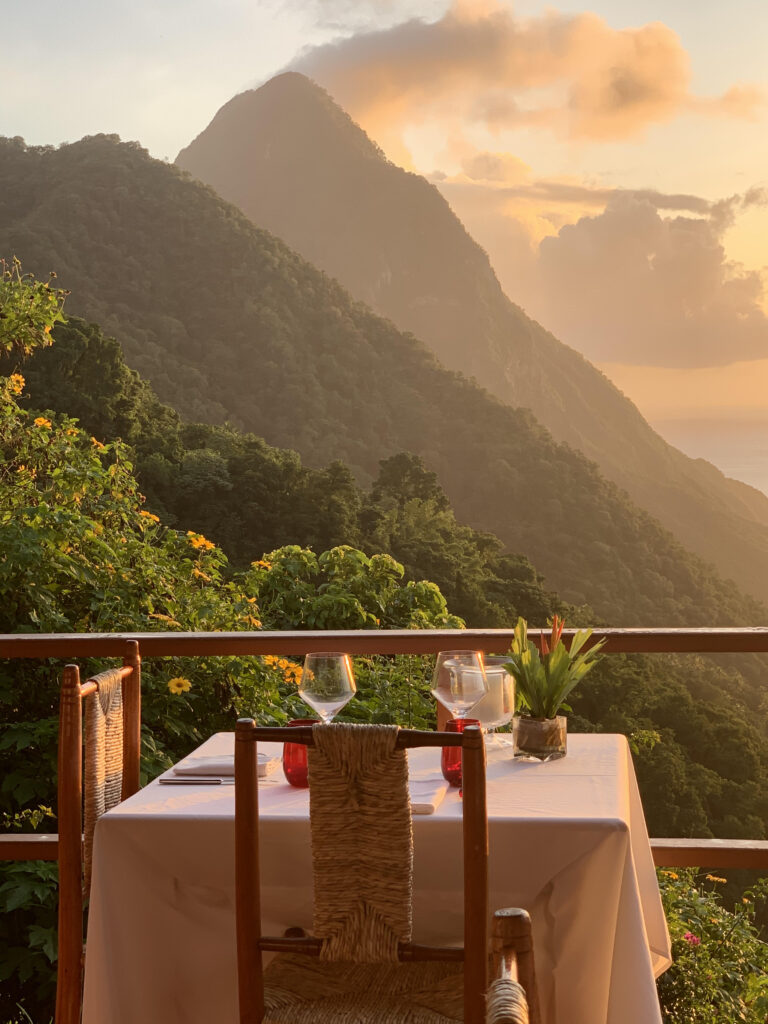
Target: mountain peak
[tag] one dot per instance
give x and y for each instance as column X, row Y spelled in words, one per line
column 287, row 118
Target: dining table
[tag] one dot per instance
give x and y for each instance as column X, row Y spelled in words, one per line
column 567, row 841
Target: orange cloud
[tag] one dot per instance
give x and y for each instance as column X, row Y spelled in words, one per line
column 495, row 167
column 633, row 286
column 479, row 64
column 743, row 101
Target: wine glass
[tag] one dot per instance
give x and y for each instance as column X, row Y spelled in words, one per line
column 497, row 707
column 459, row 681
column 327, row 683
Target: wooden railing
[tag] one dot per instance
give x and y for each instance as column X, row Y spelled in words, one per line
column 371, row 641
column 714, row 853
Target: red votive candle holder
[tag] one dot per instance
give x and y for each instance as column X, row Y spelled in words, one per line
column 450, row 760
column 295, row 758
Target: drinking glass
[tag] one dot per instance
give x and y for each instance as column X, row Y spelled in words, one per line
column 450, row 757
column 327, row 683
column 295, row 758
column 497, row 707
column 459, row 681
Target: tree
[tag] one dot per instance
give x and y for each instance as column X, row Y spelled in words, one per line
column 29, row 309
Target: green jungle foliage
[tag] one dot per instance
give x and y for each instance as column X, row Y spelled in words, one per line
column 29, row 310
column 79, row 552
column 700, row 728
column 229, row 324
column 720, row 974
column 250, row 497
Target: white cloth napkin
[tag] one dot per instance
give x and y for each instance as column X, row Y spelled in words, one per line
column 222, row 766
column 426, row 794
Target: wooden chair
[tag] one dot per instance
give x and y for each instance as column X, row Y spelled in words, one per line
column 111, row 775
column 371, row 969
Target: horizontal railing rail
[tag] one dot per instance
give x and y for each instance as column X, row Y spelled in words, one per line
column 714, row 853
column 726, row 640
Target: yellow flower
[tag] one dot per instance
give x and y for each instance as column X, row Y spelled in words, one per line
column 715, row 878
column 148, row 515
column 41, row 421
column 671, row 874
column 179, row 685
column 198, row 541
column 96, row 443
column 745, row 901
column 251, row 620
column 292, row 673
column 17, row 383
column 271, row 660
column 261, row 564
column 71, row 432
column 164, row 618
column 200, row 575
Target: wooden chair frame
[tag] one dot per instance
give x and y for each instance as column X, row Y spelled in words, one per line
column 512, row 947
column 67, row 846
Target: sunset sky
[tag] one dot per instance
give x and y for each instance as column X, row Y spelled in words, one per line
column 612, row 159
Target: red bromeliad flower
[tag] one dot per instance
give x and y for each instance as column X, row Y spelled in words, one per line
column 557, row 629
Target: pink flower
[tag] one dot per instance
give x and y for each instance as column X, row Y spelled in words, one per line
column 692, row 939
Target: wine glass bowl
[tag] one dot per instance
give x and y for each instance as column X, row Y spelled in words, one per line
column 459, row 681
column 327, row 683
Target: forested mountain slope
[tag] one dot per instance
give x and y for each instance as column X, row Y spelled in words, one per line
column 251, row 498
column 228, row 323
column 698, row 732
column 297, row 165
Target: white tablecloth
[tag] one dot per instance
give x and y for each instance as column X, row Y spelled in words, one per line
column 567, row 841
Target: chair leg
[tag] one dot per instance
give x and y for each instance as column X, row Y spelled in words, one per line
column 70, row 973
column 513, row 954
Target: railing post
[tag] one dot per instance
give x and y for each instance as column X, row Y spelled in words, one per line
column 131, row 722
column 70, row 814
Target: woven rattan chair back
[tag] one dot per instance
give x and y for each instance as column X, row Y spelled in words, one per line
column 112, row 749
column 363, row 916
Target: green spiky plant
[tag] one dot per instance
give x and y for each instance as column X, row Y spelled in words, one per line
column 545, row 678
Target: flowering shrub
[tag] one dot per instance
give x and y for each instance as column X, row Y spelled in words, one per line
column 720, row 970
column 79, row 553
column 29, row 309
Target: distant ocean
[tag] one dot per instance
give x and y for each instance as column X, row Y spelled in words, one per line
column 739, row 448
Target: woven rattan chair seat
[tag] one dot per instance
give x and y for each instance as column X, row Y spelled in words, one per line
column 303, row 990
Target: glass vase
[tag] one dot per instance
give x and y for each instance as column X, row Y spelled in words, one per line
column 539, row 739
